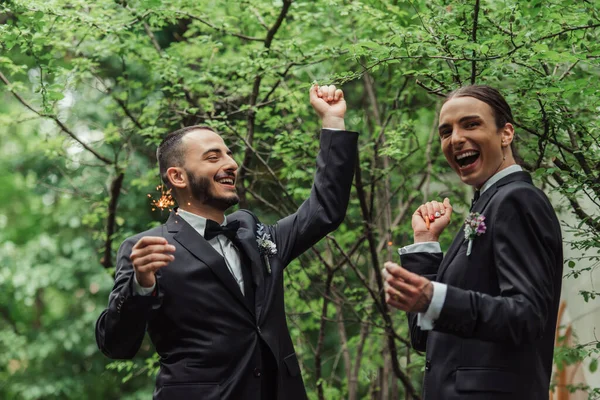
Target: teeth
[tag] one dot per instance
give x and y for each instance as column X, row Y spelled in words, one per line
column 226, row 181
column 467, row 154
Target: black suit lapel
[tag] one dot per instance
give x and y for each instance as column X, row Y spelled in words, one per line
column 479, row 207
column 247, row 241
column 202, row 250
column 456, row 243
column 459, row 239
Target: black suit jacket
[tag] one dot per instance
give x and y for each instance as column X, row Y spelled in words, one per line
column 213, row 342
column 494, row 338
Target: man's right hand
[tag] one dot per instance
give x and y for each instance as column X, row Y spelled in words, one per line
column 329, row 103
column 430, row 220
column 148, row 255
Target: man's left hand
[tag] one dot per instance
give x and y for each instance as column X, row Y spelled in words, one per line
column 406, row 291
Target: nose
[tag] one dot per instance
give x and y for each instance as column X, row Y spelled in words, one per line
column 457, row 138
column 230, row 164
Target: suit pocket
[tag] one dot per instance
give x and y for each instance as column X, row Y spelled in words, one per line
column 291, row 363
column 485, row 380
column 184, row 391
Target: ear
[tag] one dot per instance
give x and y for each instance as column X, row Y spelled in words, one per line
column 177, row 177
column 507, row 134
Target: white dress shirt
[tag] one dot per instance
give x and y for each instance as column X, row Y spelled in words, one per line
column 427, row 319
column 220, row 243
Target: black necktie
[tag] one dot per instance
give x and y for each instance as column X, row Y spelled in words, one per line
column 213, row 229
column 475, row 198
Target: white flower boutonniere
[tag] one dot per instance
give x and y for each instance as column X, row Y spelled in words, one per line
column 474, row 226
column 266, row 246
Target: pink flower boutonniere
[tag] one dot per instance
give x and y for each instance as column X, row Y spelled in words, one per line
column 474, row 226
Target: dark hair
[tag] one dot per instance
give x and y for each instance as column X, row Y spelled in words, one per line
column 170, row 152
column 492, row 97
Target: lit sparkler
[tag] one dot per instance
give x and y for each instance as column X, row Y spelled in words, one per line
column 165, row 201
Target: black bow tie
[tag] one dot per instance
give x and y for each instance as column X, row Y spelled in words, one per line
column 475, row 198
column 213, row 229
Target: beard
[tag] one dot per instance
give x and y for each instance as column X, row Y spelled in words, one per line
column 202, row 191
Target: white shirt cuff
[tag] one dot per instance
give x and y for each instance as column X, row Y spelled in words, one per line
column 333, row 129
column 140, row 290
column 423, row 247
column 426, row 320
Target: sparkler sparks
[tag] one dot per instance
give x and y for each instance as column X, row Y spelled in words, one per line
column 164, row 201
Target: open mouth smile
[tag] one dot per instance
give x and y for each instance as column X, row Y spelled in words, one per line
column 226, row 181
column 466, row 159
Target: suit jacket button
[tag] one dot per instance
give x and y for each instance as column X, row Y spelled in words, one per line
column 257, row 372
column 428, row 365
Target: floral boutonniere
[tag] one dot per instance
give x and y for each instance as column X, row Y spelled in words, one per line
column 266, row 246
column 474, row 226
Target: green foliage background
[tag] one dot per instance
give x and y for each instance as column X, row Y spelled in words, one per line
column 90, row 87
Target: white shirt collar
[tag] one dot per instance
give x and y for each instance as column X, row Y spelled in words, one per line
column 196, row 221
column 499, row 175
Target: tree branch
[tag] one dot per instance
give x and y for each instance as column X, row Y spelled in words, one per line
column 581, row 160
column 508, row 53
column 273, row 207
column 375, row 263
column 273, row 31
column 156, row 45
column 222, row 30
column 581, row 214
column 321, row 336
column 62, row 126
column 127, row 112
column 115, row 191
column 474, row 37
column 553, row 141
column 152, row 37
column 250, row 150
column 543, row 140
column 437, row 92
column 352, row 380
column 252, row 102
column 564, row 74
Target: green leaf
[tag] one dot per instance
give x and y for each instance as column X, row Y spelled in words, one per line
column 54, row 96
column 594, row 365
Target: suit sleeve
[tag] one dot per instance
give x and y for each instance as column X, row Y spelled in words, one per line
column 121, row 327
column 326, row 206
column 424, row 264
column 526, row 246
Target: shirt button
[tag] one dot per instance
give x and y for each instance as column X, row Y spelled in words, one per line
column 428, row 365
column 257, row 372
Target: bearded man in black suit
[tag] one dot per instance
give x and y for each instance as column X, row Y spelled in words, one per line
column 207, row 287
